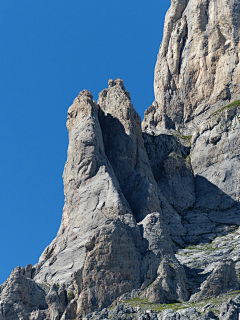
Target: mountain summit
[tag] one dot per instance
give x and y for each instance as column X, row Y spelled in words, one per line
column 152, row 212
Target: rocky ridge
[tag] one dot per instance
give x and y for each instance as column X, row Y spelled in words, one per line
column 151, row 214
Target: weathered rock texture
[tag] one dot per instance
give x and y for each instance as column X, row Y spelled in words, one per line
column 229, row 311
column 109, row 186
column 20, row 297
column 92, row 193
column 111, row 267
column 132, row 198
column 125, row 149
column 196, row 82
column 221, row 280
column 198, row 68
column 215, row 160
column 166, row 280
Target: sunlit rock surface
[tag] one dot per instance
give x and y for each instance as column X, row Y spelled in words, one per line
column 151, row 214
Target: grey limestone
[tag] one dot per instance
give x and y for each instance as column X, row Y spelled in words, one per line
column 150, row 213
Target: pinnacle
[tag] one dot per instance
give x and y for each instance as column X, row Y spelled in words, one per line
column 86, row 93
column 117, row 82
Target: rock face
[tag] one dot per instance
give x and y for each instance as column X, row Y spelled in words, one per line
column 111, row 267
column 109, row 186
column 197, row 90
column 166, row 280
column 149, row 215
column 124, row 146
column 197, row 69
column 215, row 160
column 92, row 193
column 221, row 280
column 20, row 297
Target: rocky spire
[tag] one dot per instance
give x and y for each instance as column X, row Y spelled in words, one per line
column 129, row 195
column 108, row 185
column 124, row 147
column 92, row 193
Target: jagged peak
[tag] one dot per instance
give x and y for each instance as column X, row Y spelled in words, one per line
column 83, row 105
column 86, row 93
column 129, row 195
column 117, row 82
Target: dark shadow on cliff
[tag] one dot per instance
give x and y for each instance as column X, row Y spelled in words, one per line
column 195, row 278
column 209, row 196
column 172, row 170
column 214, row 213
column 205, row 210
column 130, row 163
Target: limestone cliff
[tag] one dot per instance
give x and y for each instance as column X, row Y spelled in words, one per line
column 197, row 69
column 197, row 90
column 92, row 193
column 151, row 215
column 101, row 255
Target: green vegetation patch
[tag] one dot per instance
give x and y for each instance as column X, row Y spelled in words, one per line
column 229, row 106
column 187, row 137
column 145, row 304
column 216, row 302
column 70, row 294
column 178, row 135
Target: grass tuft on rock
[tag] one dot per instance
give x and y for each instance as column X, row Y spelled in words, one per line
column 229, row 106
column 216, row 302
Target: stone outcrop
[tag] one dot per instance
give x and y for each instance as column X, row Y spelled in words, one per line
column 221, row 280
column 169, row 160
column 150, row 214
column 109, row 186
column 92, row 194
column 21, row 297
column 111, row 267
column 57, row 301
column 197, row 69
column 165, row 280
column 228, row 311
column 215, row 160
column 124, row 147
column 196, row 91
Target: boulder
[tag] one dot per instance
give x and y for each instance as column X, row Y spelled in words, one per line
column 221, row 280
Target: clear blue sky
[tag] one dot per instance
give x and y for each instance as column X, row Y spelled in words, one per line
column 49, row 51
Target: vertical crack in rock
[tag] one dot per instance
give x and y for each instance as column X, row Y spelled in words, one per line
column 124, row 146
column 92, row 193
column 132, row 197
column 192, row 81
column 100, row 250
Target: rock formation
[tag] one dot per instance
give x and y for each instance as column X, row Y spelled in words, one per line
column 197, row 90
column 92, row 194
column 197, row 69
column 21, row 297
column 124, row 146
column 151, row 214
column 221, row 280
